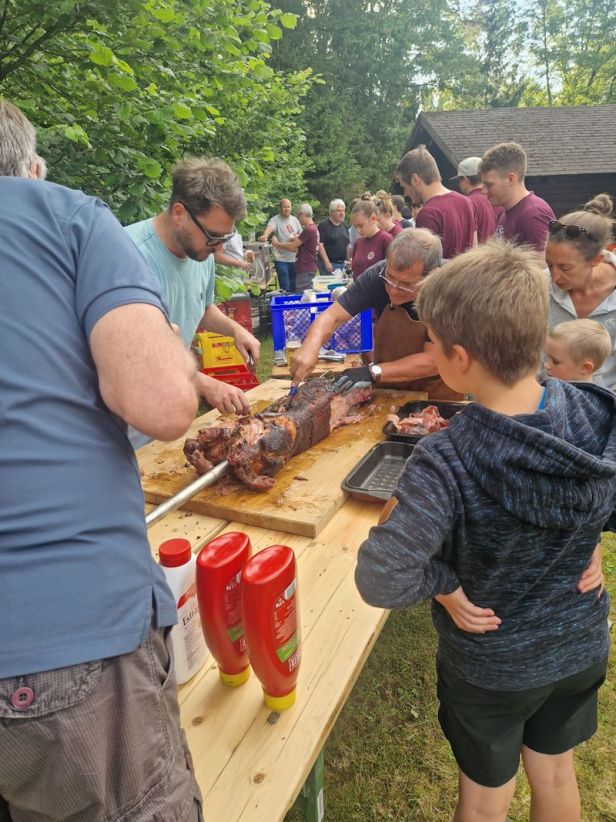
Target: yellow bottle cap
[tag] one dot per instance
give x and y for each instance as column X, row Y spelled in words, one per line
column 280, row 703
column 235, row 680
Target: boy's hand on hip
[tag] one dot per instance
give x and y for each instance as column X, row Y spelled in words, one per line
column 593, row 575
column 466, row 616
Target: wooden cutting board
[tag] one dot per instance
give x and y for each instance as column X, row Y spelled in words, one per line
column 307, row 491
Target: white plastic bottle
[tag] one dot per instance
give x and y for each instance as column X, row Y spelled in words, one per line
column 179, row 566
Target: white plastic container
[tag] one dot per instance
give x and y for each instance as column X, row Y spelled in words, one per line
column 179, row 566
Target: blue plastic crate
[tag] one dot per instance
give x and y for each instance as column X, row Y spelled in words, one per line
column 291, row 319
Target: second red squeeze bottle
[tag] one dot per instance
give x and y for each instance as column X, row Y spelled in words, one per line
column 219, row 573
column 269, row 605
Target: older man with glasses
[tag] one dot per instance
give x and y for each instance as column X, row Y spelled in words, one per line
column 401, row 358
column 206, row 201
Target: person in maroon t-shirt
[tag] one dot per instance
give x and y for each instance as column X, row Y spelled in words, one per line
column 469, row 181
column 373, row 242
column 306, row 245
column 385, row 215
column 525, row 218
column 446, row 213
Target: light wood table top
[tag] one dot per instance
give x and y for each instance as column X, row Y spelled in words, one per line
column 249, row 767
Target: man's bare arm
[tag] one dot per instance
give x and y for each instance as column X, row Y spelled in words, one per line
column 146, row 375
column 413, row 367
column 319, row 333
column 292, row 245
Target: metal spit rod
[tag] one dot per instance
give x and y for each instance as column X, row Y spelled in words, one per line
column 204, row 481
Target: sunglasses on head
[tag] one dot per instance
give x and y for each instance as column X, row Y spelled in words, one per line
column 211, row 239
column 571, row 232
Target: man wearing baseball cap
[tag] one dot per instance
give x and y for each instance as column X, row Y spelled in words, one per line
column 469, row 180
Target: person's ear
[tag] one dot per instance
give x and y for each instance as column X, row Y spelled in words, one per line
column 176, row 210
column 512, row 178
column 599, row 258
column 462, row 358
column 587, row 368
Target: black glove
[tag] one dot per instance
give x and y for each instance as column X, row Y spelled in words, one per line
column 353, row 378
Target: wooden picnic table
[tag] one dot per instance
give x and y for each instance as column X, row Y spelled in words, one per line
column 252, row 764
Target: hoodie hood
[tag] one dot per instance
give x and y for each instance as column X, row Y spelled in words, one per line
column 555, row 468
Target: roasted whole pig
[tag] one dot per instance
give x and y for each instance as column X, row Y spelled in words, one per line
column 257, row 446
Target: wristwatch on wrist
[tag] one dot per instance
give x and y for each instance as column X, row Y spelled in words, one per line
column 376, row 372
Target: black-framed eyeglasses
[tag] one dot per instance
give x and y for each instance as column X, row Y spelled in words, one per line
column 571, row 232
column 404, row 288
column 212, row 239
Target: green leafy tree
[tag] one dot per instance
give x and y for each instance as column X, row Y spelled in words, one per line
column 574, row 46
column 120, row 90
column 376, row 63
column 497, row 37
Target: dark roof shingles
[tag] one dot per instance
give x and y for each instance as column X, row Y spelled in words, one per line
column 567, row 140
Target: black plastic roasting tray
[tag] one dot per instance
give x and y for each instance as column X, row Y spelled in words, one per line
column 375, row 476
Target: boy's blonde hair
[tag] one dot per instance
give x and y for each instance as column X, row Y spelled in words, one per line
column 493, row 301
column 584, row 340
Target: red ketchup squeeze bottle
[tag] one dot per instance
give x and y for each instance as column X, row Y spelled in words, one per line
column 219, row 573
column 270, row 608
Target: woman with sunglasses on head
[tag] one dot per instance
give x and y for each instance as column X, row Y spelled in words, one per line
column 583, row 272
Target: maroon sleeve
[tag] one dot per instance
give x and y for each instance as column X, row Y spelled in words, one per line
column 427, row 218
column 536, row 226
column 386, row 241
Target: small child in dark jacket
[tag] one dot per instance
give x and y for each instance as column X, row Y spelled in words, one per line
column 497, row 519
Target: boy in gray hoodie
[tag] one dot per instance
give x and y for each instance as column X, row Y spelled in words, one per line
column 497, row 519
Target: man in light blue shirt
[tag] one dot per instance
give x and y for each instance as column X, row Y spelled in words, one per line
column 89, row 719
column 206, row 202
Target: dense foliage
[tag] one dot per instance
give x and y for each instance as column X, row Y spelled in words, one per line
column 304, row 98
column 121, row 89
column 382, row 62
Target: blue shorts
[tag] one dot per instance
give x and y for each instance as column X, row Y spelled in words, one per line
column 486, row 729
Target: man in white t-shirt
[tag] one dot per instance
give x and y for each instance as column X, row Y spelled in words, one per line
column 232, row 253
column 285, row 227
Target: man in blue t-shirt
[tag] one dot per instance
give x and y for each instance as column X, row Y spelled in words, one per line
column 206, row 202
column 86, row 678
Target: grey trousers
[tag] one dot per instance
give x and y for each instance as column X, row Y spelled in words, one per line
column 97, row 742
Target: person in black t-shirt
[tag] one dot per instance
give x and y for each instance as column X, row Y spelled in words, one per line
column 333, row 248
column 402, row 351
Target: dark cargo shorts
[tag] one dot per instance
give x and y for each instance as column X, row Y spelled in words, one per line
column 99, row 742
column 486, row 729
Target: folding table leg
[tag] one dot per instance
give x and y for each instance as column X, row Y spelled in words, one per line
column 310, row 800
column 314, row 810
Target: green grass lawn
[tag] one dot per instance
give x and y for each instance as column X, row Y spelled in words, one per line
column 266, row 360
column 386, row 758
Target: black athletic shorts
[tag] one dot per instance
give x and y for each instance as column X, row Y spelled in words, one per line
column 486, row 729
